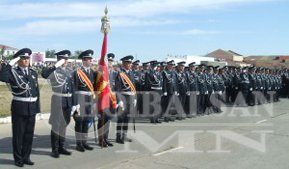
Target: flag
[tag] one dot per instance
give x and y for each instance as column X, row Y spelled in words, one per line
column 105, row 95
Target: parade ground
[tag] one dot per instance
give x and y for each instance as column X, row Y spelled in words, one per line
column 238, row 138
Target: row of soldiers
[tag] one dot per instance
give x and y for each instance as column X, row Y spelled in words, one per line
column 159, row 90
column 199, row 90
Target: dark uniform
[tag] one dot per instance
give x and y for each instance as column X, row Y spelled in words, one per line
column 252, row 87
column 169, row 90
column 84, row 98
column 62, row 84
column 182, row 88
column 201, row 102
column 191, row 100
column 127, row 98
column 25, row 105
column 153, row 83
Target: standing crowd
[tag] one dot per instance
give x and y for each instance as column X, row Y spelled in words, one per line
column 159, row 91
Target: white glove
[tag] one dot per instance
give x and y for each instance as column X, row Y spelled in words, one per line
column 176, row 93
column 220, row 92
column 60, row 63
column 13, row 61
column 165, row 93
column 236, row 88
column 251, row 89
column 134, row 102
column 198, row 93
column 120, row 104
column 74, row 108
column 213, row 92
column 207, row 92
column 261, row 88
column 188, row 93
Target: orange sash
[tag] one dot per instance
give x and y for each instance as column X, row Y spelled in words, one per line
column 128, row 81
column 87, row 81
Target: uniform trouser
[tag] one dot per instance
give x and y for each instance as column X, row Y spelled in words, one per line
column 251, row 98
column 23, row 131
column 182, row 98
column 166, row 101
column 201, row 102
column 191, row 104
column 215, row 100
column 103, row 125
column 58, row 131
column 229, row 97
column 81, row 129
column 124, row 116
column 235, row 93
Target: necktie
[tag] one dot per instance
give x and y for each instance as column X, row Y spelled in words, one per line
column 25, row 72
column 88, row 71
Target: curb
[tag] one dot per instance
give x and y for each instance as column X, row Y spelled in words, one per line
column 39, row 116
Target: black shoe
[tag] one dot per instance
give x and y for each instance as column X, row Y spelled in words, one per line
column 28, row 162
column 166, row 119
column 55, row 154
column 80, row 148
column 119, row 140
column 64, row 151
column 87, row 147
column 158, row 121
column 108, row 143
column 19, row 164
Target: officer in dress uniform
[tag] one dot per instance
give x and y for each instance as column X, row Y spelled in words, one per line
column 84, row 81
column 25, row 104
column 138, row 84
column 125, row 87
column 245, row 86
column 169, row 90
column 182, row 87
column 191, row 100
column 153, row 82
column 201, row 102
column 253, row 86
column 259, row 86
column 62, row 101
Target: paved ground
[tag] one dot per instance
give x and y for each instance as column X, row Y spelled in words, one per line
column 239, row 138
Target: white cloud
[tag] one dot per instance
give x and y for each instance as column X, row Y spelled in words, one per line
column 126, row 8
column 200, row 32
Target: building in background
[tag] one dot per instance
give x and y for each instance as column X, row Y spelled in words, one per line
column 7, row 50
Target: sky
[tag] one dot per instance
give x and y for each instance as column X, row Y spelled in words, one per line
column 148, row 29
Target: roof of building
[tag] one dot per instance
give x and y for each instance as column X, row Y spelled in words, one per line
column 7, row 47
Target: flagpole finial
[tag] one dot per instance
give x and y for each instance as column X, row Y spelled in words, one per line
column 105, row 20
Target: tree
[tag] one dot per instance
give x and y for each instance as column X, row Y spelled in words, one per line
column 76, row 54
column 50, row 53
column 2, row 51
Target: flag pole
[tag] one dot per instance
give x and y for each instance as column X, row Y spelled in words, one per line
column 105, row 28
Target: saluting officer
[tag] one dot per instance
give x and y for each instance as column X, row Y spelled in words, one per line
column 125, row 87
column 25, row 104
column 84, row 81
column 62, row 102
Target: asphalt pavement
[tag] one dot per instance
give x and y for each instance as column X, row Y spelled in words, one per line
column 238, row 138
